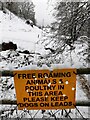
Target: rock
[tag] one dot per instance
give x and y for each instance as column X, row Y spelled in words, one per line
column 8, row 46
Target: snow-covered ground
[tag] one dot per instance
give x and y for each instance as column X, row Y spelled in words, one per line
column 26, row 38
column 17, row 31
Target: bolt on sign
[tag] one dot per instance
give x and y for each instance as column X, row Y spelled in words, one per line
column 44, row 89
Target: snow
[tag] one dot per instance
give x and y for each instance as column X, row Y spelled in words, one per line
column 17, row 31
column 26, row 38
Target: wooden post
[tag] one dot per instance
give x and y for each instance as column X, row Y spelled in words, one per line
column 79, row 71
column 14, row 102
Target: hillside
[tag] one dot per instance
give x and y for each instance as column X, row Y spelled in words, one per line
column 17, row 31
column 23, row 35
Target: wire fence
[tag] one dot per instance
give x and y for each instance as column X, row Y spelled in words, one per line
column 13, row 112
column 9, row 108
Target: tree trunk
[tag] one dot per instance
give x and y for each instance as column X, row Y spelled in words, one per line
column 2, row 5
